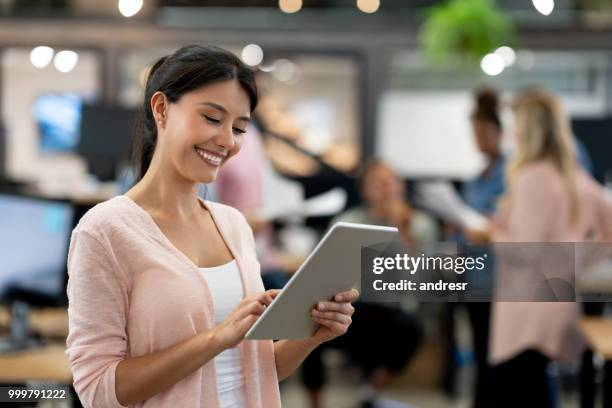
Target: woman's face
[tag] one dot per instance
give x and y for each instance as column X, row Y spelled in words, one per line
column 487, row 136
column 203, row 129
column 381, row 185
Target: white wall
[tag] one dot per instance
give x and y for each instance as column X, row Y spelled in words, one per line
column 427, row 134
column 21, row 84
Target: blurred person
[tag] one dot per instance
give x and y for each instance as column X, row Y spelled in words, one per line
column 550, row 198
column 274, row 117
column 384, row 197
column 163, row 286
column 383, row 338
column 240, row 184
column 482, row 194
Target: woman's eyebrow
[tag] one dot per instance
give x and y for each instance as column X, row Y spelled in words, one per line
column 222, row 109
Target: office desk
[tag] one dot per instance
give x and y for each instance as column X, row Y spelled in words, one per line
column 47, row 363
column 49, row 322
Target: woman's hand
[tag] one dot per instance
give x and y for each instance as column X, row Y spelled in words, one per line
column 479, row 236
column 334, row 317
column 398, row 212
column 232, row 330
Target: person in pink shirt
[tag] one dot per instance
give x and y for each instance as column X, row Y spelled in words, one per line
column 163, row 286
column 550, row 199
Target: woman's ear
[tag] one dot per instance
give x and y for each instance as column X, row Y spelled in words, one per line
column 159, row 107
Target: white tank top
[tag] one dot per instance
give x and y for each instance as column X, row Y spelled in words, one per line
column 226, row 289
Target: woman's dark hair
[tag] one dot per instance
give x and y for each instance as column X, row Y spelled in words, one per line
column 187, row 69
column 487, row 107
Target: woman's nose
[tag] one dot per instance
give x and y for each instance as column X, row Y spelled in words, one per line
column 225, row 138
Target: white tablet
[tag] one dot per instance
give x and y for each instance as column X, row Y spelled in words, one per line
column 333, row 266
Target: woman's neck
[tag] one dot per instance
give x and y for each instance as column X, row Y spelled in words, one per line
column 493, row 155
column 166, row 193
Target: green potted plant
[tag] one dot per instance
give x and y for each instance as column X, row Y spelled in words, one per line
column 463, row 31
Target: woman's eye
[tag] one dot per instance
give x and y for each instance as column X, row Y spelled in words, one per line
column 212, row 120
column 238, row 131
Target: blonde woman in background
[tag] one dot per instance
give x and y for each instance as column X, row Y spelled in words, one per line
column 549, row 199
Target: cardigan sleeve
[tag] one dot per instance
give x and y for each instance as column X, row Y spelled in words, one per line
column 97, row 311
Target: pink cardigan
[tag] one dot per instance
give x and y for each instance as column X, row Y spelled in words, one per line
column 131, row 293
column 537, row 210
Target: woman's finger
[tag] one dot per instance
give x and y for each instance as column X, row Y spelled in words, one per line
column 264, row 298
column 256, row 308
column 336, row 328
column 338, row 317
column 273, row 292
column 347, row 296
column 252, row 307
column 344, row 307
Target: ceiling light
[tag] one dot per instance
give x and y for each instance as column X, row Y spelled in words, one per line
column 525, row 60
column 507, row 54
column 368, row 6
column 492, row 64
column 290, row 6
column 544, row 6
column 41, row 56
column 129, row 8
column 65, row 60
column 252, row 55
column 284, row 70
column 266, row 68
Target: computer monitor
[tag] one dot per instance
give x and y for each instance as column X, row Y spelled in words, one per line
column 106, row 138
column 58, row 118
column 34, row 240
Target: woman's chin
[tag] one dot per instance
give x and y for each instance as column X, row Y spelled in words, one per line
column 208, row 177
column 204, row 172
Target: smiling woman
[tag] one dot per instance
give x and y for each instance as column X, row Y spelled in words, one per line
column 223, row 107
column 163, row 286
column 212, row 130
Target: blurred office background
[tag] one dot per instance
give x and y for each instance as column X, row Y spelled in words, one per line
column 342, row 81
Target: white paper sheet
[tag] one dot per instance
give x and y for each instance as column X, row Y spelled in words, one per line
column 441, row 198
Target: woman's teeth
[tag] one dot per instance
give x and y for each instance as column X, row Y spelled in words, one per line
column 210, row 158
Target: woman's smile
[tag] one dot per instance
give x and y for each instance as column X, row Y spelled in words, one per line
column 212, row 159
